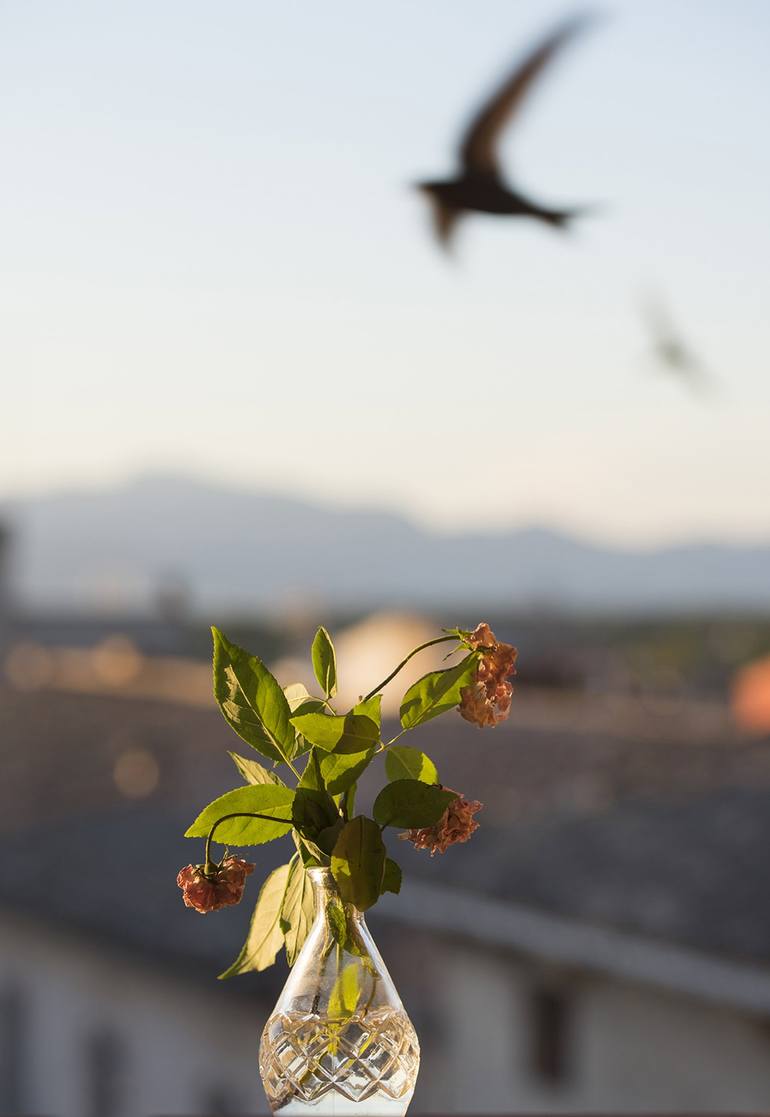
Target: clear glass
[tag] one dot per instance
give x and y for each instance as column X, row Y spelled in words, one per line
column 338, row 1041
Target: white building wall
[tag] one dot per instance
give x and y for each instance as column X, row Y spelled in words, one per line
column 632, row 1048
column 661, row 1052
column 180, row 1042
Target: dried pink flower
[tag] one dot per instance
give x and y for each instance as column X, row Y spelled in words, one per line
column 482, row 636
column 455, row 825
column 221, row 888
column 487, row 701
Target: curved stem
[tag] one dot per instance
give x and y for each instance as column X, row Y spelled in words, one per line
column 403, row 663
column 386, row 744
column 237, row 814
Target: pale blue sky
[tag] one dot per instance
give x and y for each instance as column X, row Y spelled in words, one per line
column 211, row 259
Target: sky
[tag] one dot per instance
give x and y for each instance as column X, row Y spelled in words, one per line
column 213, row 260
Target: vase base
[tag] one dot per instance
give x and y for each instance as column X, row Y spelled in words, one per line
column 365, row 1065
column 334, row 1105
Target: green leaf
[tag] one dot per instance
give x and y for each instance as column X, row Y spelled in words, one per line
column 437, row 692
column 341, row 733
column 254, row 772
column 327, row 838
column 300, row 702
column 264, row 799
column 265, row 937
column 324, row 662
column 391, row 878
column 313, row 811
column 335, row 916
column 251, row 700
column 371, row 708
column 312, row 777
column 411, row 803
column 297, row 911
column 350, row 801
column 300, row 698
column 345, row 994
column 340, row 770
column 248, row 727
column 310, row 854
column 345, row 933
column 358, row 862
column 405, row 763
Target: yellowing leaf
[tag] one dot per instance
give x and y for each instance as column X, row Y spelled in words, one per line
column 265, row 937
column 297, row 911
column 253, row 772
column 343, row 999
column 301, row 700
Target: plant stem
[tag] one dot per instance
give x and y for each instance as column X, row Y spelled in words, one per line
column 403, row 663
column 224, row 818
column 392, row 741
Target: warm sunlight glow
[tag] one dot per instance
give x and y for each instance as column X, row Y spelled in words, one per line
column 751, row 697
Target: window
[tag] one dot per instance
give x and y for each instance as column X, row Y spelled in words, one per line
column 550, row 1015
column 105, row 1067
column 14, row 1050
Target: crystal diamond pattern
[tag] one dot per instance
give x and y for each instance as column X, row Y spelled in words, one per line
column 305, row 1057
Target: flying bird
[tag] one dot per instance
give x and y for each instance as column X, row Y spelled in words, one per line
column 671, row 351
column 480, row 186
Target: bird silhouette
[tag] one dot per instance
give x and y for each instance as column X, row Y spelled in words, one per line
column 670, row 350
column 480, row 186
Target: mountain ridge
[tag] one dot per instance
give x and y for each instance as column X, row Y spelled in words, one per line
column 241, row 548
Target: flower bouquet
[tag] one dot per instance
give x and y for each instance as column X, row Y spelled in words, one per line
column 339, row 1031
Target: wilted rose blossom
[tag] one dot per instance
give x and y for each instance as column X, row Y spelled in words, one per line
column 485, row 706
column 223, row 887
column 455, row 825
column 482, row 636
column 487, row 701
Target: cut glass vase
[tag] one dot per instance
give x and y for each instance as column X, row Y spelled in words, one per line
column 338, row 1041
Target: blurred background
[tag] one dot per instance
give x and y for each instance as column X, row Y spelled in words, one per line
column 243, row 385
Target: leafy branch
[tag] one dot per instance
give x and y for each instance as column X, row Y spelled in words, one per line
column 285, row 724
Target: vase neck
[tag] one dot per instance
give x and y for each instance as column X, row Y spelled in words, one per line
column 326, row 892
column 339, row 968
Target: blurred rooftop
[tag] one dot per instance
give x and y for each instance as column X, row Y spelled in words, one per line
column 581, row 799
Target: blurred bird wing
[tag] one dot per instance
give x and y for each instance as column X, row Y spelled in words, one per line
column 444, row 220
column 658, row 318
column 667, row 338
column 477, row 149
column 671, row 348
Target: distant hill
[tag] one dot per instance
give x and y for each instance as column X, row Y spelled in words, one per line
column 238, row 548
